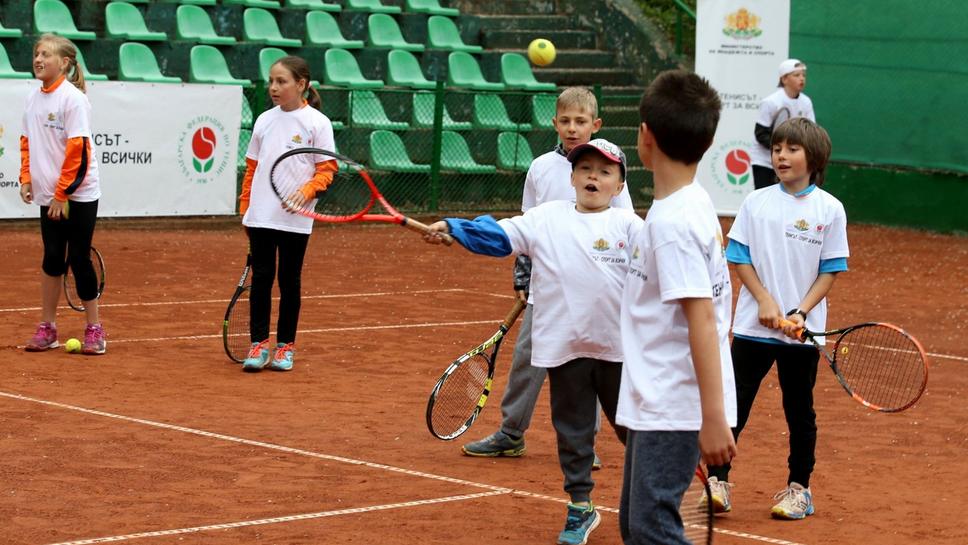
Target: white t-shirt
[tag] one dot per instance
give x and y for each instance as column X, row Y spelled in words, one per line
column 579, row 265
column 276, row 132
column 549, row 179
column 677, row 254
column 801, row 106
column 50, row 119
column 787, row 237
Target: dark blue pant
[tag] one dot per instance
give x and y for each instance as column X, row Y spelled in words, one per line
column 292, row 249
column 67, row 243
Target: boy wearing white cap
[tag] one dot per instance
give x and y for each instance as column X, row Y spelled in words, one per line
column 786, row 102
column 580, row 257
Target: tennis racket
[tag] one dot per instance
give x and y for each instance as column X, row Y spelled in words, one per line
column 779, row 117
column 880, row 365
column 70, row 283
column 696, row 510
column 352, row 195
column 460, row 394
column 235, row 328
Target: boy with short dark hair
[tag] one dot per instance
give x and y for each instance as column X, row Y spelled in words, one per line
column 677, row 396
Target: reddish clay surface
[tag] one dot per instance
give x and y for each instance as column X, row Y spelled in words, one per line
column 351, row 414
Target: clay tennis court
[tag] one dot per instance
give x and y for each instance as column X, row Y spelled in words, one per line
column 163, row 440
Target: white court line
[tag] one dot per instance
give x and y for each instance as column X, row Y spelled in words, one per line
column 306, row 516
column 493, row 490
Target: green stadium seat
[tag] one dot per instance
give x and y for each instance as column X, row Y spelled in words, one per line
column 372, row 6
column 387, row 152
column 337, row 125
column 261, row 27
column 513, row 152
column 208, row 66
column 384, row 33
column 456, row 155
column 431, row 7
column 87, row 73
column 54, row 17
column 544, row 108
column 194, row 25
column 10, row 32
column 341, row 69
column 367, row 111
column 403, row 70
column 137, row 63
column 442, row 33
column 423, row 114
column 191, row 2
column 313, row 5
column 123, row 21
column 263, row 4
column 322, row 29
column 267, row 57
column 516, row 74
column 463, row 71
column 131, row 1
column 490, row 113
column 6, row 69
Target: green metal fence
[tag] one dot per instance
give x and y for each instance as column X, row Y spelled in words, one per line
column 451, row 150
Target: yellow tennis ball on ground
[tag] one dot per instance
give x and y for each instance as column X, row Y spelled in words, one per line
column 541, row 52
column 73, row 346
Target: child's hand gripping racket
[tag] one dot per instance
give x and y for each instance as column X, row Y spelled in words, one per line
column 880, row 365
column 460, row 394
column 235, row 328
column 70, row 284
column 350, row 196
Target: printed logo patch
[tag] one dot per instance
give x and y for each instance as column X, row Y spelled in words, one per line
column 601, row 245
column 801, row 225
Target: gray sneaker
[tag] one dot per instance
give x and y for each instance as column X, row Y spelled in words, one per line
column 597, row 464
column 498, row 444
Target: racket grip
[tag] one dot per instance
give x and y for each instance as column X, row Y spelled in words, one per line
column 784, row 321
column 423, row 229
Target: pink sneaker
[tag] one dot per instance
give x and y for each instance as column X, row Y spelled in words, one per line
column 46, row 337
column 94, row 342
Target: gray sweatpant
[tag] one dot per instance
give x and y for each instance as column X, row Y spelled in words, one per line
column 524, row 384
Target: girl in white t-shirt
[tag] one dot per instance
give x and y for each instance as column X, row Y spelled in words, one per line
column 788, row 243
column 58, row 164
column 295, row 122
column 787, row 102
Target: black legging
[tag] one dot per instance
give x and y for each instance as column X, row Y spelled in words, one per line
column 292, row 250
column 67, row 242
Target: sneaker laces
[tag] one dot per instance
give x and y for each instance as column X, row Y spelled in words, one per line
column 791, row 496
column 281, row 351
column 256, row 351
column 575, row 520
column 93, row 333
column 44, row 330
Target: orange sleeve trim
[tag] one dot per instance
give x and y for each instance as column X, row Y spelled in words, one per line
column 24, row 160
column 250, row 165
column 321, row 180
column 73, row 172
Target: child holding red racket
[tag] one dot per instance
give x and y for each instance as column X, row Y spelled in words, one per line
column 580, row 254
column 58, row 164
column 270, row 226
column 788, row 243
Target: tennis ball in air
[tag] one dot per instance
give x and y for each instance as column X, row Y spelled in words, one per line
column 73, row 346
column 541, row 52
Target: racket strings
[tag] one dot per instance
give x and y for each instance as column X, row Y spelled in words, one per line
column 237, row 334
column 347, row 195
column 460, row 394
column 70, row 282
column 882, row 366
column 696, row 515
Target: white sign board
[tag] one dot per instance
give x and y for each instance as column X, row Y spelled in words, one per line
column 739, row 47
column 162, row 149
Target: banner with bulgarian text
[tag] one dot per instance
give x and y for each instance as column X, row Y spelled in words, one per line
column 739, row 47
column 162, row 149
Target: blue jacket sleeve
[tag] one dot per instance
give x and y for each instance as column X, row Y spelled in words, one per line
column 482, row 235
column 739, row 253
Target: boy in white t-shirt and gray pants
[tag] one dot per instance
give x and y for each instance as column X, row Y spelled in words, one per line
column 677, row 397
column 787, row 102
column 580, row 254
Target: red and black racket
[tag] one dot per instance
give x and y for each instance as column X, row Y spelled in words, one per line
column 352, row 195
column 880, row 365
column 235, row 327
column 696, row 511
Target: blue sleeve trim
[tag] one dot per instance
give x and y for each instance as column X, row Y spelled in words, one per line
column 482, row 235
column 737, row 252
column 838, row 264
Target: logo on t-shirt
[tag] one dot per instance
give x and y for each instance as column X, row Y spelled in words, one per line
column 819, row 228
column 601, row 245
column 801, row 225
column 635, row 254
column 297, row 139
column 51, row 117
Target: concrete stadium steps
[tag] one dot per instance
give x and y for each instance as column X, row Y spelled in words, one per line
column 504, row 7
column 563, row 39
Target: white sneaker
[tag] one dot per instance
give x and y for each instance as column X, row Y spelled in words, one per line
column 796, row 502
column 719, row 490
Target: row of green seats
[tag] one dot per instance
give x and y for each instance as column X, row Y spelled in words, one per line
column 388, row 152
column 366, row 110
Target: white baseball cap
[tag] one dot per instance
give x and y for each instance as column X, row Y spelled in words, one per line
column 606, row 148
column 790, row 65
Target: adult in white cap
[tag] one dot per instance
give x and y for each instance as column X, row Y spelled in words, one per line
column 786, row 102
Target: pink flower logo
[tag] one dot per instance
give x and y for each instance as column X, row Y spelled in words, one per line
column 203, row 149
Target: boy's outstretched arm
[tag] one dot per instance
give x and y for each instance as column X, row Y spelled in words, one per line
column 716, row 442
column 770, row 312
column 482, row 235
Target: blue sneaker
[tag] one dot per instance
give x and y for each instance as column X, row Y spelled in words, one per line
column 796, row 502
column 579, row 525
column 496, row 444
column 283, row 359
column 258, row 357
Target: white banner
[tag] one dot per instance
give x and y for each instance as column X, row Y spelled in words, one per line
column 739, row 47
column 161, row 149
